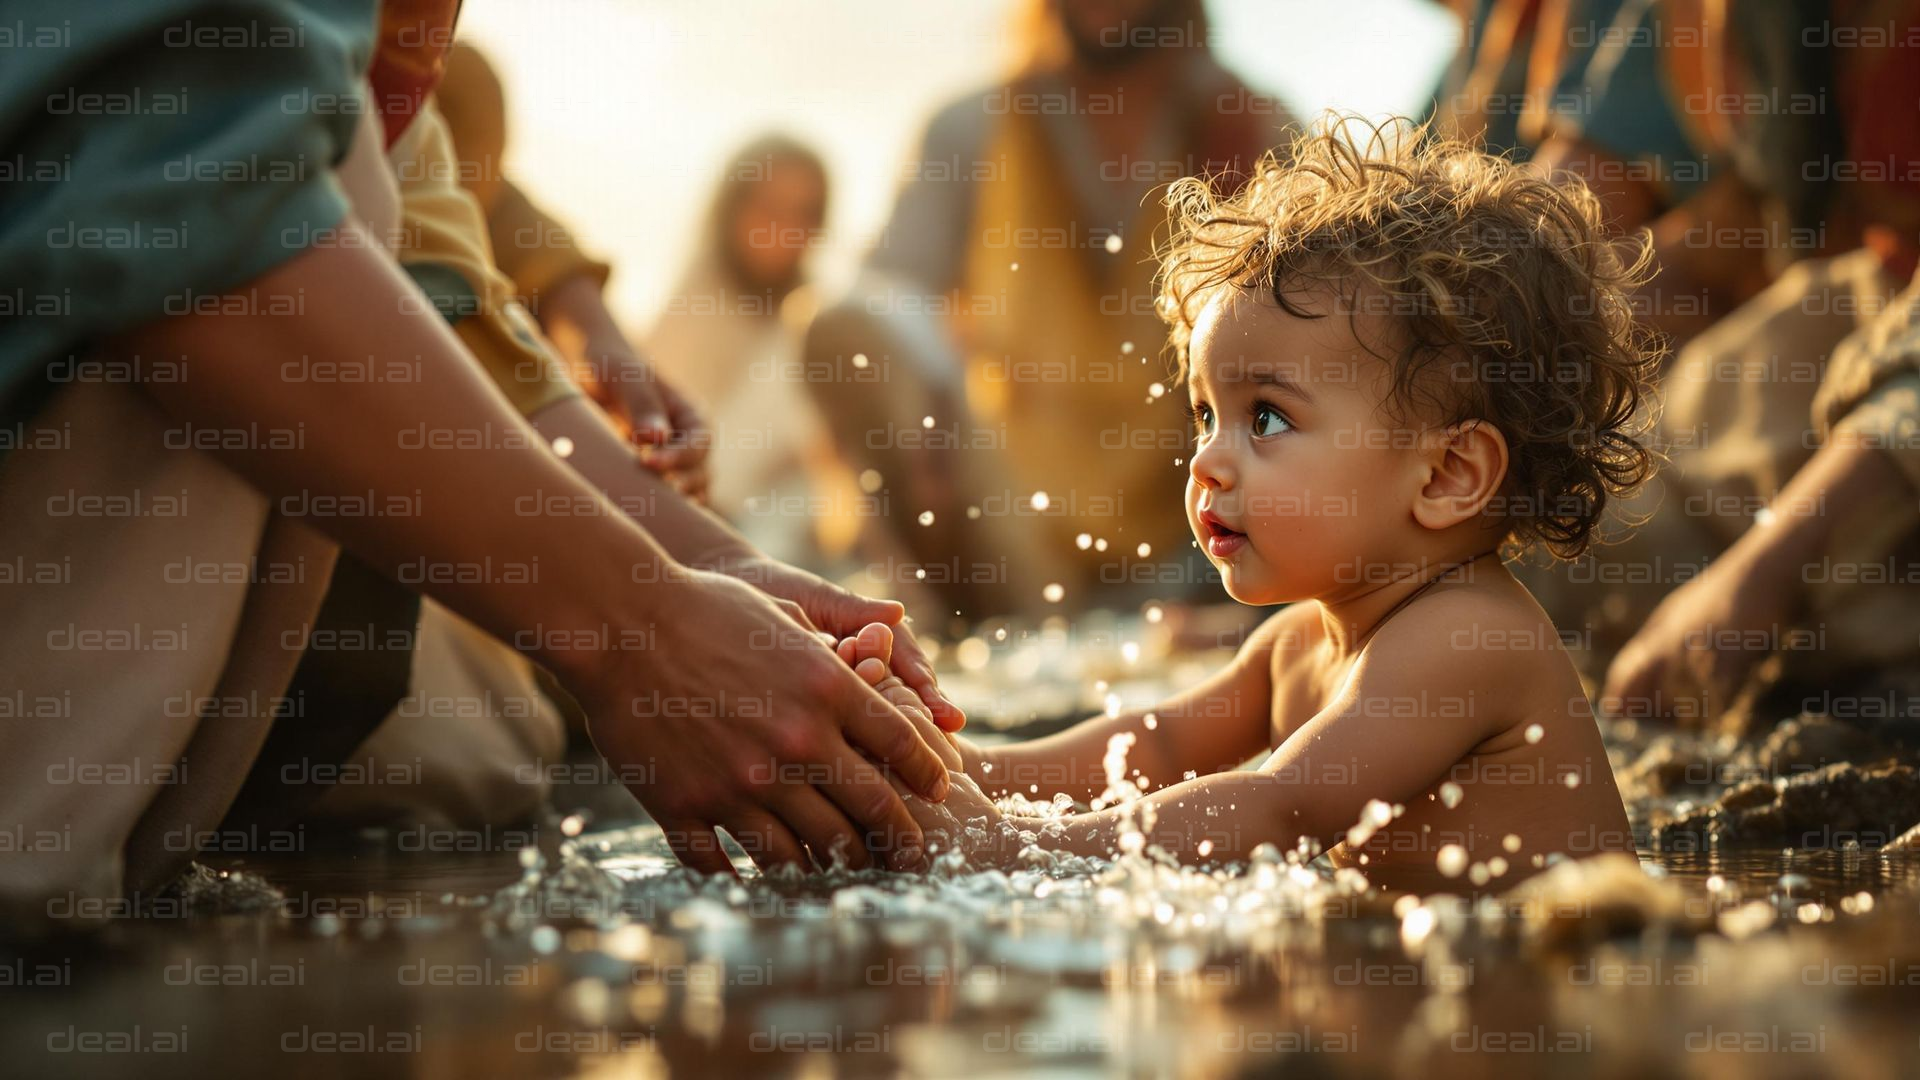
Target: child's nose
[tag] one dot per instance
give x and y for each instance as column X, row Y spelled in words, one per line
column 1212, row 464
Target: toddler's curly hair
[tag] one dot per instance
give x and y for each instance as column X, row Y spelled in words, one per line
column 1508, row 301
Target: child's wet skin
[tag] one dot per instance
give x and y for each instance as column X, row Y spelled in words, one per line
column 870, row 654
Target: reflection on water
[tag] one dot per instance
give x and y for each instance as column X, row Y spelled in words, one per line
column 602, row 956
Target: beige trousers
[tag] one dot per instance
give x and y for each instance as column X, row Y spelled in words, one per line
column 142, row 642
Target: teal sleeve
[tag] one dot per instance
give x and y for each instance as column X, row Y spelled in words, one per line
column 163, row 152
column 1620, row 98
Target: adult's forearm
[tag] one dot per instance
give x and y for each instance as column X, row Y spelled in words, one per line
column 575, row 316
column 408, row 455
column 689, row 532
column 1813, row 510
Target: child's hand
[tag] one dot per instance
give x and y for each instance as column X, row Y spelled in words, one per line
column 967, row 820
column 870, row 654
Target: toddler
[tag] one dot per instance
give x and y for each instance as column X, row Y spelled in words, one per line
column 1407, row 362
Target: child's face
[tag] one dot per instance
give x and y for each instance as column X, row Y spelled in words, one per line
column 1299, row 482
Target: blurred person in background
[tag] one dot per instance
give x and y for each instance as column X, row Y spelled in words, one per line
column 552, row 277
column 1791, row 421
column 1598, row 89
column 1757, row 142
column 730, row 337
column 996, row 373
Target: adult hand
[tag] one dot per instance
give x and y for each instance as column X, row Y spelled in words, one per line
column 842, row 613
column 1702, row 641
column 671, row 434
column 1708, row 634
column 735, row 716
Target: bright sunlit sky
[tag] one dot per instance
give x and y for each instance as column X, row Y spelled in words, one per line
column 623, row 112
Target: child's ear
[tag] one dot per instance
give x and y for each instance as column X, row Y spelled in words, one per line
column 1465, row 467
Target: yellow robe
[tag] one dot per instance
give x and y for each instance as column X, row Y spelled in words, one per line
column 1064, row 349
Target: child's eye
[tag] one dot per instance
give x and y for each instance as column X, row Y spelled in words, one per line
column 1268, row 420
column 1201, row 416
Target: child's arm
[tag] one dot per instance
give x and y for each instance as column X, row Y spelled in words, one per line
column 1407, row 714
column 1216, row 725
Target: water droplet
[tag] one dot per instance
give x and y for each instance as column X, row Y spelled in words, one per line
column 1126, row 348
column 1535, row 733
column 1130, row 652
column 1100, row 544
column 926, row 421
column 1041, row 500
column 926, row 517
column 1373, row 817
column 973, row 513
column 1416, row 926
column 1450, row 794
column 1114, row 243
column 1083, row 541
column 871, row 481
column 563, row 446
column 860, row 360
column 1157, row 391
column 1572, row 780
column 1205, row 848
column 1151, row 720
column 544, row 939
column 1145, row 549
column 1054, row 593
column 1511, row 843
column 1452, row 860
column 1013, row 266
column 1155, row 613
column 973, row 654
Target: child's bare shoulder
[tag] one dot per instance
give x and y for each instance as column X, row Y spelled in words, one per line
column 1485, row 646
column 1289, row 632
column 1486, row 623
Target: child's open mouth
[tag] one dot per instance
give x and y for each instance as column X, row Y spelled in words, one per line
column 1222, row 541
